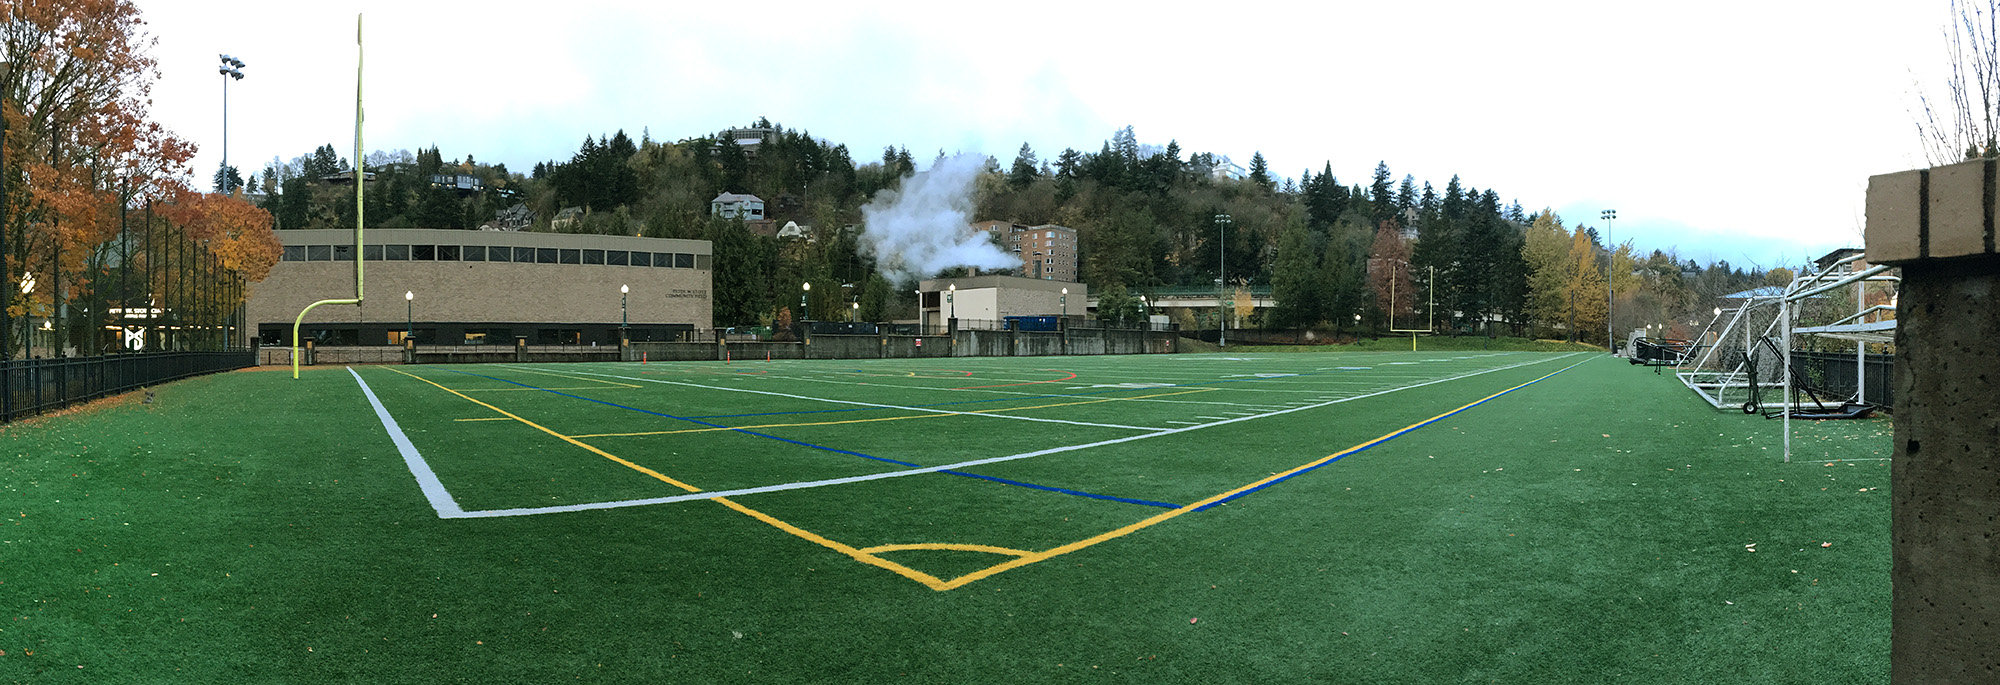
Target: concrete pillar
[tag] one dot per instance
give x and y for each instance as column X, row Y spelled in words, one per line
column 1938, row 226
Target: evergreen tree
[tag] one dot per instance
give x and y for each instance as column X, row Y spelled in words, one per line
column 1296, row 279
column 1260, row 172
column 227, row 180
column 1023, row 173
column 1380, row 197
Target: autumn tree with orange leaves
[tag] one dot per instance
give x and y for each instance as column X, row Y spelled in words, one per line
column 81, row 153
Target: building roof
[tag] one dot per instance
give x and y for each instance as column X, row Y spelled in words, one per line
column 1841, row 255
column 1766, row 291
column 734, row 197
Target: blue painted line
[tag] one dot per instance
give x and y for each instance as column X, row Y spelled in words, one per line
column 1065, row 491
column 906, row 464
column 1392, row 436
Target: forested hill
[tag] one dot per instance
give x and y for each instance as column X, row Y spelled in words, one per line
column 1147, row 219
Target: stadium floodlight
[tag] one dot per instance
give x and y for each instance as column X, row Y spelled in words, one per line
column 1221, row 278
column 623, row 322
column 1610, row 262
column 1064, row 299
column 803, row 292
column 409, row 314
column 949, row 291
column 230, row 69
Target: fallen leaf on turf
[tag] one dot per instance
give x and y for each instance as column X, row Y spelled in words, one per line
column 1605, row 434
column 1728, row 602
column 1826, row 544
column 1191, row 620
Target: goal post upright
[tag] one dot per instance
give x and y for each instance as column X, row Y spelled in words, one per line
column 360, row 185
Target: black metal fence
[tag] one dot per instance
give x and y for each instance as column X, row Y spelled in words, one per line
column 34, row 386
column 1834, row 375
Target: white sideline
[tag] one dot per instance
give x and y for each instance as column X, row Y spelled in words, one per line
column 417, row 462
column 427, row 480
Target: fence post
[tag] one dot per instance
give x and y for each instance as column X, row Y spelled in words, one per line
column 521, row 348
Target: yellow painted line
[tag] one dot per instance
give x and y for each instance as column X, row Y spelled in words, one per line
column 1169, row 515
column 593, row 387
column 927, row 579
column 950, row 547
column 496, row 418
column 889, row 418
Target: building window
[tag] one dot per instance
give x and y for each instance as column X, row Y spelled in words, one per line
column 319, row 253
column 617, row 258
column 569, row 256
column 663, row 259
column 423, row 253
column 683, row 261
column 396, row 253
column 343, row 253
column 593, row 256
column 371, row 253
column 526, row 255
column 545, row 255
column 447, row 253
column 474, row 253
column 642, row 259
column 295, row 253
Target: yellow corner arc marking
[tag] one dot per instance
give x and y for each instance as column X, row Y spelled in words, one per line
column 947, row 547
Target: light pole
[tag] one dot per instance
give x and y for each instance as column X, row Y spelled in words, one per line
column 1144, row 314
column 1610, row 262
column 409, row 315
column 1063, row 299
column 853, row 312
column 231, row 69
column 804, row 290
column 1221, row 279
column 624, row 322
column 949, row 291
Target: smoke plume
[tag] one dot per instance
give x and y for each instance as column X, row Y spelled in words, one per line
column 926, row 227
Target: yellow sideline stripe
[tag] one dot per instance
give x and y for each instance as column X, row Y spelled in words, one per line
column 494, row 418
column 927, row 579
column 890, row 418
column 1115, row 533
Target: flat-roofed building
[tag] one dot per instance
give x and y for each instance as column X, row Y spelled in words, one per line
column 484, row 287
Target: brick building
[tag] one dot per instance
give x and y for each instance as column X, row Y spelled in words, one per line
column 1048, row 251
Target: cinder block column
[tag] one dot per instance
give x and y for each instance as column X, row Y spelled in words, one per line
column 1938, row 226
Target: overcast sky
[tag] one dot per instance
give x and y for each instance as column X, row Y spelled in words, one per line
column 1737, row 131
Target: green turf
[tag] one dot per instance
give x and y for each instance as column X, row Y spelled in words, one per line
column 1591, row 527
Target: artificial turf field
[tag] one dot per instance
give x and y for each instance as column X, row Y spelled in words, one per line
column 1167, row 518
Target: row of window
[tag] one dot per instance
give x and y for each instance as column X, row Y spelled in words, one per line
column 485, row 253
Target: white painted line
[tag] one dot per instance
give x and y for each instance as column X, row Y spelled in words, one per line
column 804, row 485
column 1217, row 418
column 427, row 481
column 1186, row 423
column 862, row 404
